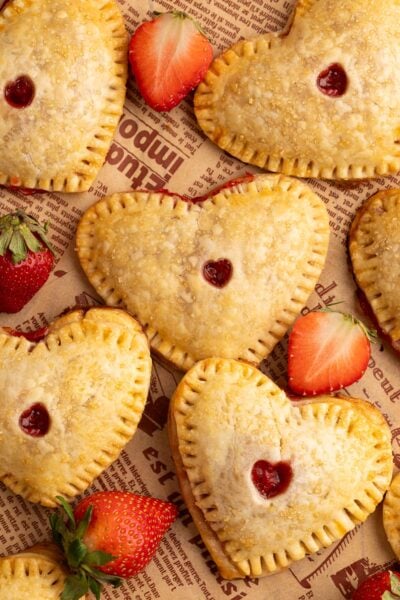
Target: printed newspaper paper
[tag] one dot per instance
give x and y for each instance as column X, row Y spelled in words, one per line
column 151, row 151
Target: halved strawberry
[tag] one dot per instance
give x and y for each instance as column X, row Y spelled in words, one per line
column 169, row 56
column 328, row 350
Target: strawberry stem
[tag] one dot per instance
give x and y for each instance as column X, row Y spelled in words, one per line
column 370, row 333
column 81, row 562
column 19, row 233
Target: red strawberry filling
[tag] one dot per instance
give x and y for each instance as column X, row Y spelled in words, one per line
column 20, row 92
column 271, row 479
column 35, row 420
column 218, row 272
column 332, row 81
column 32, row 336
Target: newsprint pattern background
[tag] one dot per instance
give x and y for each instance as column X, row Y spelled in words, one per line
column 151, row 151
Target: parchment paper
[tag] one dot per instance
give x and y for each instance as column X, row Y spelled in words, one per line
column 151, row 151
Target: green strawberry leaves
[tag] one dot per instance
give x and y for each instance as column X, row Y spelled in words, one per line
column 394, row 593
column 75, row 587
column 83, row 564
column 19, row 233
column 394, row 583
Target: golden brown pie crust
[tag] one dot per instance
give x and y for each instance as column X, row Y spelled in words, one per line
column 226, row 415
column 391, row 515
column 260, row 101
column 146, row 251
column 76, row 55
column 31, row 575
column 92, row 375
column 374, row 246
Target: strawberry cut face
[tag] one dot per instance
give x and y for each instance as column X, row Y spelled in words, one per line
column 327, row 351
column 169, row 57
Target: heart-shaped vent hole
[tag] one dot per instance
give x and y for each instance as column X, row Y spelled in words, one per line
column 333, row 81
column 20, row 92
column 271, row 479
column 218, row 272
column 35, row 420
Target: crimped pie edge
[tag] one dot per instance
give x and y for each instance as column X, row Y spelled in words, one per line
column 365, row 269
column 28, row 564
column 237, row 146
column 172, row 353
column 95, row 153
column 196, row 494
column 391, row 515
column 100, row 323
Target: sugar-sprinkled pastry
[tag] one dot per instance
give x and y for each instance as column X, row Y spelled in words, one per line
column 268, row 481
column 63, row 67
column 224, row 276
column 71, row 402
column 319, row 100
column 374, row 246
column 36, row 574
column 391, row 515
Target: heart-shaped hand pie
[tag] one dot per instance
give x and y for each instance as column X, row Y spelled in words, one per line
column 374, row 244
column 35, row 574
column 321, row 101
column 391, row 515
column 63, row 67
column 223, row 277
column 71, row 402
column 268, row 481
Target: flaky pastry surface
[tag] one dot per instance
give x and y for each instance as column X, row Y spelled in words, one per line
column 76, row 55
column 374, row 246
column 31, row 576
column 391, row 515
column 92, row 374
column 224, row 417
column 260, row 100
column 146, row 251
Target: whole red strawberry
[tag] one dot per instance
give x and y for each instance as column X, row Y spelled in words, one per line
column 381, row 586
column 169, row 56
column 109, row 536
column 26, row 260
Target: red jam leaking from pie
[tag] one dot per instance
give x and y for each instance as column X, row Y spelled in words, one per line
column 271, row 479
column 20, row 92
column 218, row 272
column 31, row 336
column 35, row 420
column 333, row 81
